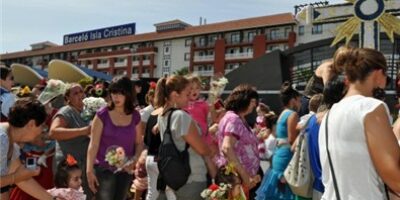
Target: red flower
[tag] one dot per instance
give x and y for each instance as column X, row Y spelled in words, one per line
column 153, row 85
column 213, row 187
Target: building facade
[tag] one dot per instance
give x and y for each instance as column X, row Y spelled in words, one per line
column 204, row 49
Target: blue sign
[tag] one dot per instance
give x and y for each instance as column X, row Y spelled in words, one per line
column 103, row 33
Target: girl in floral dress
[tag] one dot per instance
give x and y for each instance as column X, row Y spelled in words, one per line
column 68, row 180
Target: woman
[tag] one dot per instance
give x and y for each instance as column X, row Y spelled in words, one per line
column 237, row 143
column 362, row 147
column 174, row 93
column 71, row 130
column 152, row 139
column 7, row 99
column 117, row 124
column 25, row 124
column 274, row 184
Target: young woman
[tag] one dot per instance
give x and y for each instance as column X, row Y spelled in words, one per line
column 25, row 124
column 118, row 124
column 363, row 149
column 174, row 94
column 274, row 184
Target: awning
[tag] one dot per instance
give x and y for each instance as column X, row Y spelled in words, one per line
column 26, row 75
column 70, row 73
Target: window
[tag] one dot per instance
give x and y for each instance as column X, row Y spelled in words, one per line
column 187, row 56
column 301, row 30
column 167, row 50
column 202, row 41
column 251, row 35
column 166, row 70
column 317, row 29
column 188, row 42
column 235, row 38
column 274, row 34
column 167, row 63
column 249, row 50
column 167, row 43
column 212, row 39
column 287, row 31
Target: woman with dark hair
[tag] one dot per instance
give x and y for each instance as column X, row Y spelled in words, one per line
column 363, row 150
column 118, row 124
column 7, row 99
column 71, row 130
column 236, row 140
column 25, row 124
column 274, row 184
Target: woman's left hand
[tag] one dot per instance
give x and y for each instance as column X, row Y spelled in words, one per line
column 130, row 167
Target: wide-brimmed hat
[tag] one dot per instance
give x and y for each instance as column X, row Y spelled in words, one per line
column 53, row 89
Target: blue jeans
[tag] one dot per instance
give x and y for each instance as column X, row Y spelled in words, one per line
column 112, row 186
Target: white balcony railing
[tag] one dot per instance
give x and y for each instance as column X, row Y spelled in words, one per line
column 145, row 75
column 203, row 58
column 135, row 76
column 103, row 65
column 121, row 64
column 146, row 62
column 90, row 66
column 135, row 63
column 205, row 73
column 245, row 55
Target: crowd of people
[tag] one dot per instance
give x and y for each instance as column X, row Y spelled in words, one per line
column 51, row 150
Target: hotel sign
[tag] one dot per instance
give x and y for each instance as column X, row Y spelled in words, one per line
column 103, row 33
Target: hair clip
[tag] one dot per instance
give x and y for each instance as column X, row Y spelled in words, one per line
column 71, row 160
column 230, row 169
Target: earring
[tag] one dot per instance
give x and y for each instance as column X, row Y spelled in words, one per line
column 175, row 106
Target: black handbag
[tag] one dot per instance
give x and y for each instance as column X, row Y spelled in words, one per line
column 173, row 165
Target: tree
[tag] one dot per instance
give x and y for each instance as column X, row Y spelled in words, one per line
column 182, row 71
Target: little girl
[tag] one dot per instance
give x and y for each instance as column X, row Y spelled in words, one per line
column 68, row 180
column 198, row 109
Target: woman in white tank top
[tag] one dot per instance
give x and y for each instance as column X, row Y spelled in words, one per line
column 363, row 149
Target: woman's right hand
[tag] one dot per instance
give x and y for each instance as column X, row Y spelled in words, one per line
column 22, row 173
column 92, row 181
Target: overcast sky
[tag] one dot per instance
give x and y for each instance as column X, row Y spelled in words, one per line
column 24, row 22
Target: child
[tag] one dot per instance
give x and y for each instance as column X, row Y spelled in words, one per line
column 261, row 110
column 228, row 175
column 68, row 180
column 197, row 107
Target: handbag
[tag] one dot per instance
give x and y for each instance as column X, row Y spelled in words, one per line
column 298, row 173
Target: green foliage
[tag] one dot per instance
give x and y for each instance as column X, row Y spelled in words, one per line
column 182, row 71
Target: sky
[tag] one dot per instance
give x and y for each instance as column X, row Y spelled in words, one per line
column 25, row 22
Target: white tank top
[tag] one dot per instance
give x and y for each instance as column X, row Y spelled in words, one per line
column 355, row 173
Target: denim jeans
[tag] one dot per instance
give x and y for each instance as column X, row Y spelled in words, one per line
column 112, row 186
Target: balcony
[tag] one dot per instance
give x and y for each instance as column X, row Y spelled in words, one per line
column 203, row 58
column 135, row 63
column 121, row 64
column 103, row 65
column 145, row 75
column 146, row 62
column 205, row 73
column 233, row 56
column 90, row 66
column 277, row 36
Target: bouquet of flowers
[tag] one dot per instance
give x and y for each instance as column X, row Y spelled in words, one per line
column 116, row 157
column 91, row 106
column 217, row 86
column 217, row 192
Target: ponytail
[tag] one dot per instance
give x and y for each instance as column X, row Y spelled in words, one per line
column 160, row 93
